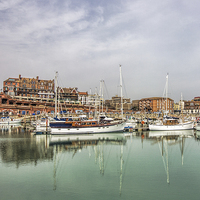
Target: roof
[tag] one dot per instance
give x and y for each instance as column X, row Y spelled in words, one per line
column 83, row 93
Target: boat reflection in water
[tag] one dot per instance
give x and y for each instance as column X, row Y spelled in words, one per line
column 76, row 143
column 86, row 139
column 167, row 138
column 9, row 128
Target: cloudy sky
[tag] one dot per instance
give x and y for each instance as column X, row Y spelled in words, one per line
column 87, row 40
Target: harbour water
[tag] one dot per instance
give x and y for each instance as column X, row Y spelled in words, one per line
column 139, row 165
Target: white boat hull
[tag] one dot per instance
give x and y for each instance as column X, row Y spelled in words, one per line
column 9, row 121
column 130, row 125
column 181, row 126
column 197, row 127
column 85, row 130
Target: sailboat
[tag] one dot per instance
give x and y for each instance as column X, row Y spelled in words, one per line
column 83, row 126
column 171, row 123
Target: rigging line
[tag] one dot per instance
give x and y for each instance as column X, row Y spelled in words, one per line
column 106, row 91
column 124, row 86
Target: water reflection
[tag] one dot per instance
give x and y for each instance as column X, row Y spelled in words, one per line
column 166, row 138
column 122, row 159
column 19, row 147
column 76, row 143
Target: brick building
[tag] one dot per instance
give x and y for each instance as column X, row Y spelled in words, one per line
column 135, row 105
column 115, row 103
column 156, row 104
column 68, row 94
column 29, row 87
column 192, row 106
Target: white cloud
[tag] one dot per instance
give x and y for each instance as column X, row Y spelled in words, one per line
column 80, row 38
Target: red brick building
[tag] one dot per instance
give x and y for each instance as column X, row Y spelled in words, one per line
column 29, row 87
column 156, row 104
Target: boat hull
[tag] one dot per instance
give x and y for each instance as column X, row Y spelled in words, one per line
column 8, row 121
column 197, row 127
column 181, row 126
column 85, row 130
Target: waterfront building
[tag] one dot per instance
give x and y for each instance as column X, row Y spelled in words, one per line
column 192, row 106
column 68, row 94
column 84, row 98
column 29, row 106
column 29, row 87
column 135, row 105
column 156, row 104
column 115, row 103
column 176, row 108
column 32, row 95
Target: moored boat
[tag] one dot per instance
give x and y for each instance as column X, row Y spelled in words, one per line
column 10, row 120
column 197, row 126
column 171, row 124
column 78, row 126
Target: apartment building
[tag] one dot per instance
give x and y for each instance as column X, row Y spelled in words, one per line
column 68, row 94
column 115, row 103
column 29, row 87
column 156, row 104
column 192, row 106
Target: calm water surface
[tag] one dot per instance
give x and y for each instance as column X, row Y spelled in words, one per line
column 148, row 165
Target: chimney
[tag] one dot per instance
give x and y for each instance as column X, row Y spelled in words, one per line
column 20, row 76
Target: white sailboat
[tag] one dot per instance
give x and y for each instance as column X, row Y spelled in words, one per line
column 79, row 126
column 171, row 123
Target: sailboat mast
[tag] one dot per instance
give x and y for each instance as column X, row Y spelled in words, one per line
column 182, row 106
column 166, row 92
column 120, row 70
column 56, row 93
column 102, row 94
column 96, row 105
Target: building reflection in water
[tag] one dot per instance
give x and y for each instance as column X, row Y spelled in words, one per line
column 19, row 147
